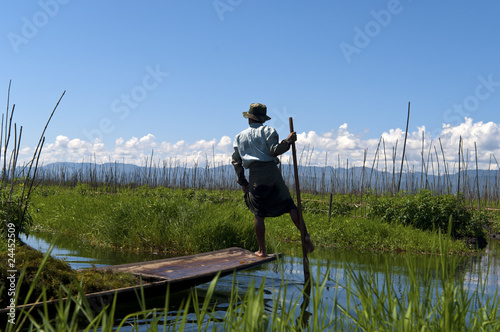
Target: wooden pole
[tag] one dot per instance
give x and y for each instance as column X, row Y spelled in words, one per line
column 330, row 206
column 477, row 181
column 303, row 229
column 458, row 185
column 404, row 147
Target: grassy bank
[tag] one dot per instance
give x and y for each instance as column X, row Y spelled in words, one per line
column 186, row 221
column 56, row 279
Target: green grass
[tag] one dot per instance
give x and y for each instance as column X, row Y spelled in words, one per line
column 178, row 221
column 191, row 221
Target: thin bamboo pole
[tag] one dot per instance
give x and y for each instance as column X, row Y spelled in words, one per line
column 477, row 180
column 303, row 230
column 404, row 147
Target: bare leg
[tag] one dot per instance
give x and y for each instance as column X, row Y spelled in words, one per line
column 260, row 231
column 294, row 214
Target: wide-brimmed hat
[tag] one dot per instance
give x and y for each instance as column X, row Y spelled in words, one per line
column 257, row 112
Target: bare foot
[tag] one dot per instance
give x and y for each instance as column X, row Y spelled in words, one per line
column 309, row 244
column 260, row 254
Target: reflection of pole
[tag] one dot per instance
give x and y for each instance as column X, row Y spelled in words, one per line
column 404, row 148
column 303, row 230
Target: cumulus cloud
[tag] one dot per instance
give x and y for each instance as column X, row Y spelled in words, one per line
column 339, row 144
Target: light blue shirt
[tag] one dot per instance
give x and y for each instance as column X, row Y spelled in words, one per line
column 256, row 143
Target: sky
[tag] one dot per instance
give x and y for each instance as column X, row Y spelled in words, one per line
column 170, row 79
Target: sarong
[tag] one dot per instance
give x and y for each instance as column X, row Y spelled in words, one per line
column 268, row 194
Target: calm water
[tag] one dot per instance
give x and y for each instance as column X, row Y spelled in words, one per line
column 331, row 264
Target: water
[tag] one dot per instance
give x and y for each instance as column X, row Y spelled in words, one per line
column 478, row 271
column 80, row 257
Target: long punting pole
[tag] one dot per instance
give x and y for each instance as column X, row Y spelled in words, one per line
column 303, row 229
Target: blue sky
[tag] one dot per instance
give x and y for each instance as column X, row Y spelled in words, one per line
column 174, row 76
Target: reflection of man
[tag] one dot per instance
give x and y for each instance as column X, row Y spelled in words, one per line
column 266, row 193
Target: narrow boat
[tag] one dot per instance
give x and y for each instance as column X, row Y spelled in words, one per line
column 178, row 273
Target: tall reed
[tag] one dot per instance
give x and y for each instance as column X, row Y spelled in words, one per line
column 16, row 185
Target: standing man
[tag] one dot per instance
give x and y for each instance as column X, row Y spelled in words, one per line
column 266, row 194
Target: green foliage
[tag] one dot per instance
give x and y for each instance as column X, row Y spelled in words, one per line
column 427, row 211
column 54, row 274
column 82, row 188
column 341, row 205
column 373, row 234
column 13, row 204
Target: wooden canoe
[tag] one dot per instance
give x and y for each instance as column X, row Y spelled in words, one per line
column 178, row 273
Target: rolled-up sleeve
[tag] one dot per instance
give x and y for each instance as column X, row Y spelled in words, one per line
column 276, row 147
column 238, row 167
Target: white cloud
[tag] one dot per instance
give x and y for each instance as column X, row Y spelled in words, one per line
column 225, row 144
column 314, row 148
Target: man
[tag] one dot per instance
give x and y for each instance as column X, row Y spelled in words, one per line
column 266, row 194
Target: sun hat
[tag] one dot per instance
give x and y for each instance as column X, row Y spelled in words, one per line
column 257, row 112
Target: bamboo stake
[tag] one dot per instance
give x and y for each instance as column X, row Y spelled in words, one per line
column 487, row 185
column 446, row 171
column 373, row 164
column 477, row 181
column 404, row 147
column 423, row 162
column 363, row 171
column 385, row 172
column 393, row 181
column 459, row 150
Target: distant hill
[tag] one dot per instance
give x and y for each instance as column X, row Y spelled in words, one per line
column 314, row 178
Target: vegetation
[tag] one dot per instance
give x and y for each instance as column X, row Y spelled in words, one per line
column 56, row 279
column 186, row 221
column 427, row 211
column 181, row 210
column 434, row 298
column 157, row 219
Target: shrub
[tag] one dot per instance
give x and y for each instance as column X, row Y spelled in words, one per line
column 427, row 211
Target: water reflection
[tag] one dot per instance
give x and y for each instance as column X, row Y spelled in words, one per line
column 485, row 269
column 80, row 256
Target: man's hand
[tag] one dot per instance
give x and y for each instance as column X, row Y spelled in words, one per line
column 292, row 137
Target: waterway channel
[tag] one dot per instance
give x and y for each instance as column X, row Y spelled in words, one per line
column 478, row 271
